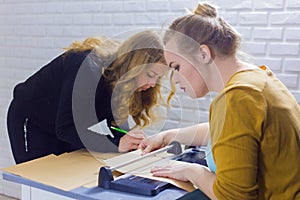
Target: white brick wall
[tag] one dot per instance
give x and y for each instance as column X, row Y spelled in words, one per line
column 32, row 32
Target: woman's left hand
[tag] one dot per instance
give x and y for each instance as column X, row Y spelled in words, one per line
column 175, row 170
column 131, row 140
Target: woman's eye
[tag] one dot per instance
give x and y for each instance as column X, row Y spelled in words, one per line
column 150, row 75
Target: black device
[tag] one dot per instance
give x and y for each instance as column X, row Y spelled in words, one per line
column 132, row 183
column 145, row 186
column 194, row 155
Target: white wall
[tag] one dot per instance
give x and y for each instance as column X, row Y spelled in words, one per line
column 32, row 32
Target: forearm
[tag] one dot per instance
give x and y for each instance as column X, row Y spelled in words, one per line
column 204, row 179
column 196, row 135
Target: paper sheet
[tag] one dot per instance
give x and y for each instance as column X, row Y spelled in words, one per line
column 67, row 171
column 142, row 167
column 81, row 168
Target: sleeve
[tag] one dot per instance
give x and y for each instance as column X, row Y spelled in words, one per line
column 104, row 111
column 76, row 110
column 236, row 127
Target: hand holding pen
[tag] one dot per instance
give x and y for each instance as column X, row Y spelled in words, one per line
column 131, row 139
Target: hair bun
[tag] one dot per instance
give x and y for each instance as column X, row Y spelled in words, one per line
column 206, row 10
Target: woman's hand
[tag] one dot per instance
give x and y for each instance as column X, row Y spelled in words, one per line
column 199, row 175
column 152, row 143
column 131, row 140
column 175, row 170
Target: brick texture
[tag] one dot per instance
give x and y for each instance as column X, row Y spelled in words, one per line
column 32, row 32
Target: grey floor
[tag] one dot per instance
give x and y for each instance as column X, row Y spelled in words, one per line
column 2, row 197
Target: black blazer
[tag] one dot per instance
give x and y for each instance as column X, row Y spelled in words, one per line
column 67, row 96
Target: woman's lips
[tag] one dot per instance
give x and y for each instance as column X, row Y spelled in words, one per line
column 145, row 87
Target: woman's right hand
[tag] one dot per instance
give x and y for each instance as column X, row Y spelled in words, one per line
column 152, row 143
column 131, row 140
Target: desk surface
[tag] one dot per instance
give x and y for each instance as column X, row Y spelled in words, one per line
column 95, row 192
column 68, row 175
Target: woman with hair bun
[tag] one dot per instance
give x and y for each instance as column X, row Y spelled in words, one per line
column 97, row 80
column 253, row 133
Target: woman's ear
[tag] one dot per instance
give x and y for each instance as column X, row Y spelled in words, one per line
column 205, row 53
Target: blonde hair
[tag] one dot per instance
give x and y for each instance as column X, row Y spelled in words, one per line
column 104, row 47
column 133, row 57
column 205, row 27
column 123, row 63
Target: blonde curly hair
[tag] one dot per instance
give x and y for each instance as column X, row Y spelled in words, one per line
column 124, row 62
column 104, row 47
column 133, row 57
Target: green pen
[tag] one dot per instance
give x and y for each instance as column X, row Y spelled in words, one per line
column 118, row 129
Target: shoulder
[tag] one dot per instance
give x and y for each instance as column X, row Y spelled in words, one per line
column 243, row 95
column 248, row 80
column 75, row 55
column 245, row 86
column 241, row 103
column 246, row 99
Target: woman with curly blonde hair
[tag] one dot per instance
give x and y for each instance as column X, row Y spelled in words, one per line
column 97, row 80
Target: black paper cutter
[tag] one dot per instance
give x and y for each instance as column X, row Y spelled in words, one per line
column 136, row 184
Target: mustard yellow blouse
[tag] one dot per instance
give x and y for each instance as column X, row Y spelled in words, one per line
column 255, row 135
